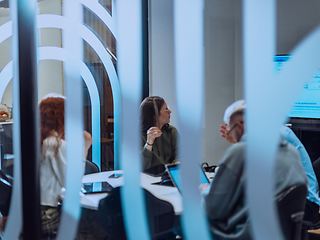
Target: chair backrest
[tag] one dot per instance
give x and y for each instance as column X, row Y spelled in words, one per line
column 5, row 193
column 291, row 203
column 160, row 215
column 90, row 168
column 110, row 215
column 316, row 168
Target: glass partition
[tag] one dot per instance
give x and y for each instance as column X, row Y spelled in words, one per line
column 91, row 53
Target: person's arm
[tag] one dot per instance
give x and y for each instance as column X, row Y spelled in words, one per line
column 145, row 153
column 87, row 143
column 175, row 136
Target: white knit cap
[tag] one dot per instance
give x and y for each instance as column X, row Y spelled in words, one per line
column 234, row 107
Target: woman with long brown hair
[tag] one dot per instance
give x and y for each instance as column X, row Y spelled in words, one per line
column 159, row 139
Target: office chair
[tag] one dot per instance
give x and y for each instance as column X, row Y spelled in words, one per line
column 308, row 225
column 290, row 204
column 90, row 168
column 5, row 193
column 160, row 216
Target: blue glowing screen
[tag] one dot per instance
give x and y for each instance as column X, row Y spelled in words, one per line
column 174, row 172
column 307, row 105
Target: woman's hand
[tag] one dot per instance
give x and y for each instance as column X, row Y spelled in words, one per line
column 87, row 142
column 224, row 133
column 152, row 134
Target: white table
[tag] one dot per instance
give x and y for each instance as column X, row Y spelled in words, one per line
column 169, row 194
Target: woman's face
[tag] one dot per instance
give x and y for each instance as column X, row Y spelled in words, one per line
column 164, row 116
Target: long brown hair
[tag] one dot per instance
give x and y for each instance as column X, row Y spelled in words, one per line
column 150, row 111
column 52, row 119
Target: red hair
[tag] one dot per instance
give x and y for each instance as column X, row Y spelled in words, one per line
column 52, row 119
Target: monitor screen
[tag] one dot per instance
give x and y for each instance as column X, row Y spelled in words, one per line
column 96, row 187
column 307, row 104
column 174, row 173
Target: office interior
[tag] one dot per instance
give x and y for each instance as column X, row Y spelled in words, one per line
column 223, row 79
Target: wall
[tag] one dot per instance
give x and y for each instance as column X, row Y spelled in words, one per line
column 223, row 85
column 161, row 53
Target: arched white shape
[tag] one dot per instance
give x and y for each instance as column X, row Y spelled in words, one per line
column 104, row 15
column 5, row 78
column 56, row 53
column 97, row 46
column 6, row 31
column 55, row 21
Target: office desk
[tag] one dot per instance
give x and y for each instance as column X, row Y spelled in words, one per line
column 169, row 194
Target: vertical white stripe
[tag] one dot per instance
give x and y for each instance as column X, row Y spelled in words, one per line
column 129, row 51
column 72, row 42
column 189, row 71
column 259, row 36
column 14, row 225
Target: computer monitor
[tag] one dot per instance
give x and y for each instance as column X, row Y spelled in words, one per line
column 307, row 104
column 174, row 173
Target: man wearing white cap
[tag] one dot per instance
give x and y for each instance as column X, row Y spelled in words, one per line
column 224, row 200
column 313, row 200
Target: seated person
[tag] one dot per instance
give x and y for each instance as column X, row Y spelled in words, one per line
column 53, row 159
column 311, row 211
column 225, row 197
column 159, row 139
column 313, row 200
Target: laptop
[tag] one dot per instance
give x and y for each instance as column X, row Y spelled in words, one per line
column 174, row 173
column 96, row 187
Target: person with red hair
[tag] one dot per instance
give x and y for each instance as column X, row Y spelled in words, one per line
column 53, row 159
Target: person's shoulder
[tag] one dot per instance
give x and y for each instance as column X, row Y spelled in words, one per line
column 169, row 128
column 234, row 155
column 172, row 128
column 237, row 147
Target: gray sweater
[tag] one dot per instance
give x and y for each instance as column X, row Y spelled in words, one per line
column 226, row 199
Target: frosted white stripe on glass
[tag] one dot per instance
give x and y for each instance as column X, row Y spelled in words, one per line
column 129, row 49
column 189, row 73
column 74, row 119
column 14, row 225
column 272, row 110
